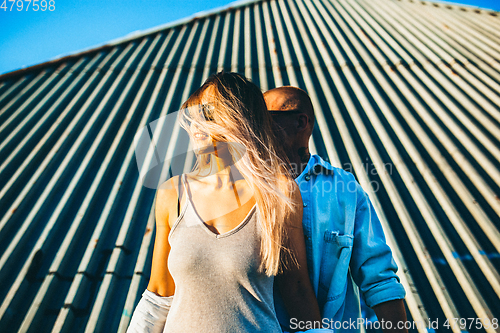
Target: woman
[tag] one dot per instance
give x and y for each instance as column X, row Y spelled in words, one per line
column 230, row 226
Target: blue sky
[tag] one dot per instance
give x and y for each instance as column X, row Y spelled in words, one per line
column 29, row 37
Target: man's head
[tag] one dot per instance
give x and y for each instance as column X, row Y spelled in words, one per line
column 292, row 111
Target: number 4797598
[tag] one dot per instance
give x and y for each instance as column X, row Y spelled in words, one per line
column 36, row 5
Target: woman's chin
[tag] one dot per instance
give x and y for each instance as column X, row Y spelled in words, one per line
column 203, row 150
column 207, row 147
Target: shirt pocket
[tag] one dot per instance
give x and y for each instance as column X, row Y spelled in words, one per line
column 335, row 260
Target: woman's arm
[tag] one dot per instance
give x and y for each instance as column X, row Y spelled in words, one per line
column 294, row 284
column 151, row 312
column 161, row 282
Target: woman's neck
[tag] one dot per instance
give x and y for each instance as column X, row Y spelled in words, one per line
column 219, row 171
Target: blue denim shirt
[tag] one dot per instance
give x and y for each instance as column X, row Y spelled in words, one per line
column 346, row 250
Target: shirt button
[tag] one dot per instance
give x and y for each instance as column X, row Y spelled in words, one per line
column 305, row 204
column 307, row 177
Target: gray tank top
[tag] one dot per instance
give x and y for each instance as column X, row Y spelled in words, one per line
column 217, row 284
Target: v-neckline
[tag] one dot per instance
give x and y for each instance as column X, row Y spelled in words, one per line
column 224, row 234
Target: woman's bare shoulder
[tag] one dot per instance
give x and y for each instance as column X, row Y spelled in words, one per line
column 166, row 200
column 169, row 188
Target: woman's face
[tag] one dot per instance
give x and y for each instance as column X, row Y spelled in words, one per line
column 203, row 142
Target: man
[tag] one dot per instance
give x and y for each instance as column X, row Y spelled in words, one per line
column 346, row 248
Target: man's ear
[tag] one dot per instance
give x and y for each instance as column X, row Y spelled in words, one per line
column 303, row 122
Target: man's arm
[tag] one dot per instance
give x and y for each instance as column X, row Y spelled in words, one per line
column 373, row 267
column 393, row 311
column 294, row 284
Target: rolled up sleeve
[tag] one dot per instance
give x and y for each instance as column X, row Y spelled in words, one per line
column 372, row 266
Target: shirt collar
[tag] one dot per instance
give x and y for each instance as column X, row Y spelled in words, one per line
column 315, row 165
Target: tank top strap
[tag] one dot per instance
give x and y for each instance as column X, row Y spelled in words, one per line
column 182, row 189
column 185, row 186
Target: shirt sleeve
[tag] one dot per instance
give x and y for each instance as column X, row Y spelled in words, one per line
column 372, row 266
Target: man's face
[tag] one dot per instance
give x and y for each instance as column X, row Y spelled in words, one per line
column 290, row 108
column 283, row 111
column 286, row 122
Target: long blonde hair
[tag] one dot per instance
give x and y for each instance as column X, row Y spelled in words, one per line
column 239, row 117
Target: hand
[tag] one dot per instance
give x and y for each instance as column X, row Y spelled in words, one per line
column 393, row 311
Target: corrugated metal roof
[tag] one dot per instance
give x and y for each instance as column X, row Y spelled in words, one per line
column 407, row 97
